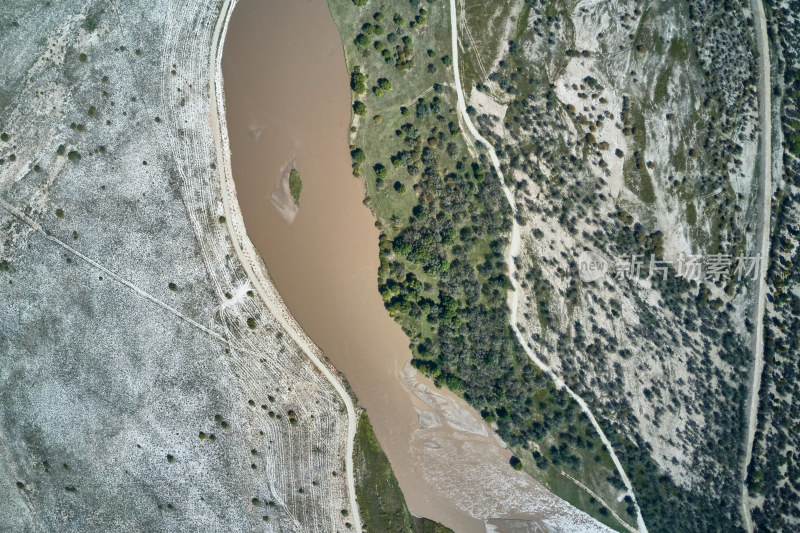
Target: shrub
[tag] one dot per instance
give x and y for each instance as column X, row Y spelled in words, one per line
column 361, row 40
column 295, row 186
column 358, row 81
column 358, row 156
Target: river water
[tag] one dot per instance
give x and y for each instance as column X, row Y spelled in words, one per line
column 288, row 105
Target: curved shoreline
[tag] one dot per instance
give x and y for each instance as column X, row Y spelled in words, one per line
column 248, row 256
column 511, row 252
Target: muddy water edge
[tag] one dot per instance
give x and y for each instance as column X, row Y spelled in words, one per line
column 288, row 106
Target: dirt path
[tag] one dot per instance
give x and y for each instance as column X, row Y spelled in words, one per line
column 762, row 243
column 251, row 261
column 511, row 253
column 113, row 275
column 598, row 498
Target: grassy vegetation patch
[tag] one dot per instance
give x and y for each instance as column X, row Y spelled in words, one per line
column 380, row 500
column 295, row 186
column 678, row 49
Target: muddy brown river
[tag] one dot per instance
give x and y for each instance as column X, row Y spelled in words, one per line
column 288, row 105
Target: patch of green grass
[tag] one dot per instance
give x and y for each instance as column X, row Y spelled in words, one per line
column 423, row 525
column 678, row 49
column 380, row 500
column 691, row 214
column 295, row 186
column 660, row 93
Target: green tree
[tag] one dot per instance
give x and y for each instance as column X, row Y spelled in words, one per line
column 358, row 81
column 380, row 171
column 358, row 156
column 361, row 40
column 359, row 108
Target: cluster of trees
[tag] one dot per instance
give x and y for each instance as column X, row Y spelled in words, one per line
column 442, row 277
column 358, row 81
column 586, row 351
column 383, row 86
column 396, row 49
column 442, row 272
column 774, row 471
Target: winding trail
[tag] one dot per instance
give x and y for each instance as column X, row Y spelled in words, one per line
column 249, row 258
column 762, row 243
column 511, row 252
